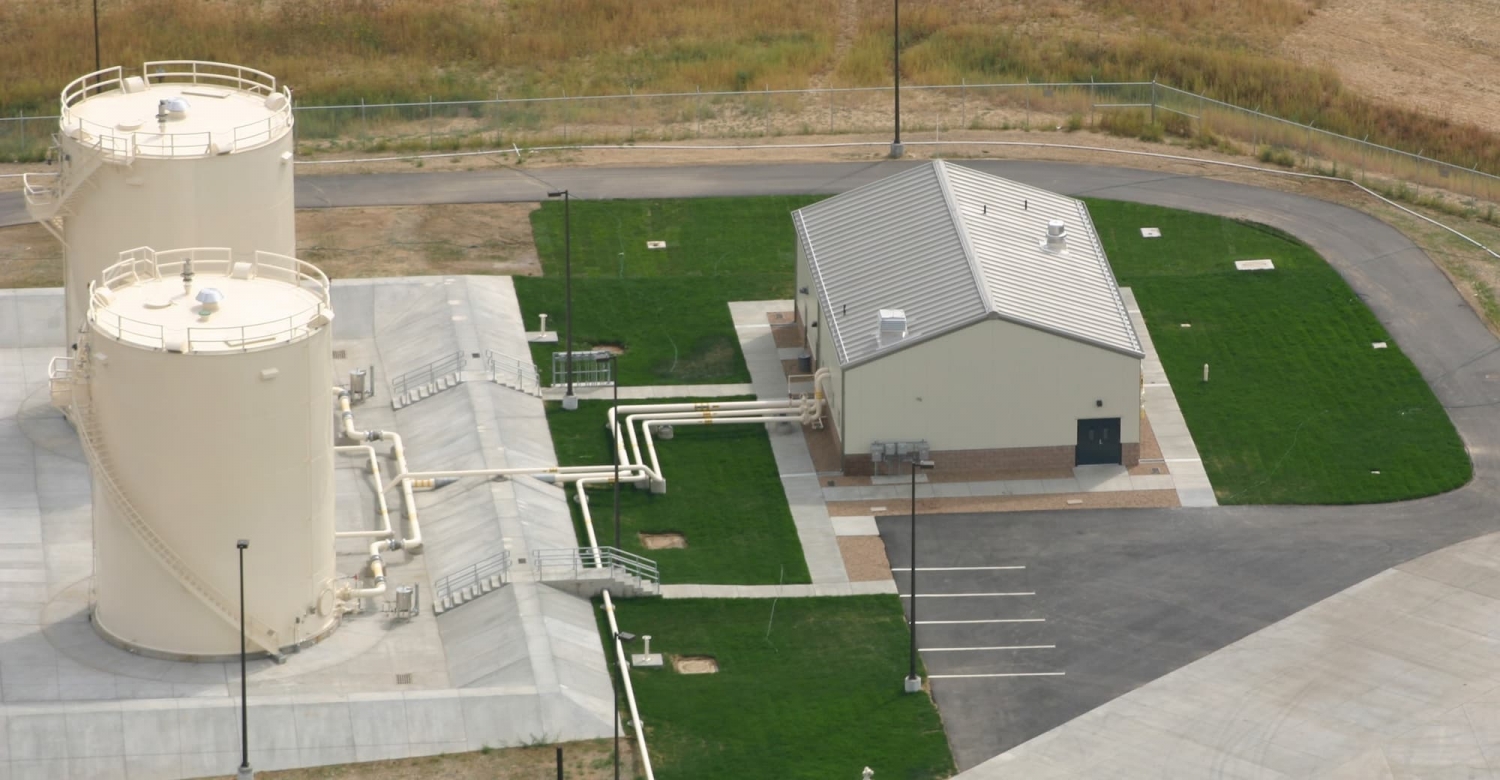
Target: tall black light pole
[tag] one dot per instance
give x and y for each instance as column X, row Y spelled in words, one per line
column 245, row 772
column 913, row 682
column 620, row 636
column 97, row 66
column 896, row 148
column 570, row 401
column 614, row 366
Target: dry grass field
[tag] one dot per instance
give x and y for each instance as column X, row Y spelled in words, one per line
column 1352, row 66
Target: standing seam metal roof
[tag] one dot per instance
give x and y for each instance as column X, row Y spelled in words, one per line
column 952, row 246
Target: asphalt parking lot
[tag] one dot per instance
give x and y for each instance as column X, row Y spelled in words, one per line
column 1122, row 597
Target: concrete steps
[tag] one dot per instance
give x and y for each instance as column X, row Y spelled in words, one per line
column 465, row 595
column 419, row 392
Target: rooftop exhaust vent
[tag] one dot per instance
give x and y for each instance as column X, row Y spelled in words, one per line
column 1057, row 236
column 892, row 326
column 210, row 297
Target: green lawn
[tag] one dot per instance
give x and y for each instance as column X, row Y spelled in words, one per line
column 806, row 688
column 1299, row 408
column 666, row 307
column 723, row 494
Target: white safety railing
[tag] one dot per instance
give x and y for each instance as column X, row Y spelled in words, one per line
column 574, row 563
column 144, row 264
column 150, row 141
column 513, row 372
column 472, row 576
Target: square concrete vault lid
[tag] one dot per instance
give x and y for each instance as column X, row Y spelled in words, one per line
column 1255, row 265
column 1150, row 232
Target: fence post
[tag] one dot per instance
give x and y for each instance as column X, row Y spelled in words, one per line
column 363, row 120
column 963, row 104
column 830, row 111
column 632, row 113
column 697, row 111
column 429, row 122
column 1153, row 100
column 567, row 109
column 1093, row 98
column 768, row 111
column 1028, row 102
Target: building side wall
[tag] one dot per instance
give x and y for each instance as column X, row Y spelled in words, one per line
column 992, row 387
column 243, row 201
column 210, row 449
column 819, row 340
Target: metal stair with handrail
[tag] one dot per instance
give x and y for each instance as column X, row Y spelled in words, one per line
column 47, row 194
column 104, row 475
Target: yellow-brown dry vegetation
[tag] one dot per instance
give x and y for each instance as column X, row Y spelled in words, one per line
column 345, row 51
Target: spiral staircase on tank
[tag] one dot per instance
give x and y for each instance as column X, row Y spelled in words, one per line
column 69, row 387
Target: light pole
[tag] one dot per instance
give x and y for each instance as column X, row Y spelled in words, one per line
column 913, row 682
column 896, row 148
column 97, row 66
column 614, row 443
column 245, row 772
column 570, row 401
column 620, row 636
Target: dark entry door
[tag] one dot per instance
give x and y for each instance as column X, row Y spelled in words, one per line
column 1098, row 441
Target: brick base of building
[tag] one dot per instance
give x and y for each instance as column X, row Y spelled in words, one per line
column 1012, row 459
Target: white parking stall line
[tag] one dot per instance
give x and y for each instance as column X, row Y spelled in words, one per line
column 958, row 568
column 980, row 649
column 971, row 622
column 966, row 595
column 996, row 674
column 993, row 647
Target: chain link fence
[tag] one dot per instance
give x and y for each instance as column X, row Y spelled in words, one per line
column 1139, row 109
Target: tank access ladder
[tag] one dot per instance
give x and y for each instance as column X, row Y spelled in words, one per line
column 48, row 194
column 100, row 460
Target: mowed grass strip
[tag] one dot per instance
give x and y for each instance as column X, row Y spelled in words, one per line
column 806, row 688
column 666, row 307
column 724, row 496
column 1299, row 408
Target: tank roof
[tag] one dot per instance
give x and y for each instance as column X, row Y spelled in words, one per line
column 176, row 108
column 222, row 304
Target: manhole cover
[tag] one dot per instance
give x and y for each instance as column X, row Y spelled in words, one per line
column 663, row 541
column 695, row 664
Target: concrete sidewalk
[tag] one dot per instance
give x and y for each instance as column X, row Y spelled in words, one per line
column 798, row 475
column 1172, row 435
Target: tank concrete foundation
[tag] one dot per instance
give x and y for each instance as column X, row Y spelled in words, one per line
column 520, row 664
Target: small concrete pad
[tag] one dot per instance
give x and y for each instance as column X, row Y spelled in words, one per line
column 859, row 525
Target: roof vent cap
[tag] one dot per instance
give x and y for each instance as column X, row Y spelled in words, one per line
column 1057, row 236
column 210, row 297
column 892, row 326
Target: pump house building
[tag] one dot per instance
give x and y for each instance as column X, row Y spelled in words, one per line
column 960, row 316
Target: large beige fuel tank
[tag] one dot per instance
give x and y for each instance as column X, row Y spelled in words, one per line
column 203, row 399
column 182, row 153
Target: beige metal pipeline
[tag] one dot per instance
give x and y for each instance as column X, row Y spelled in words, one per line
column 658, row 481
column 413, row 524
column 385, row 513
column 707, row 419
column 377, row 571
column 635, row 713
